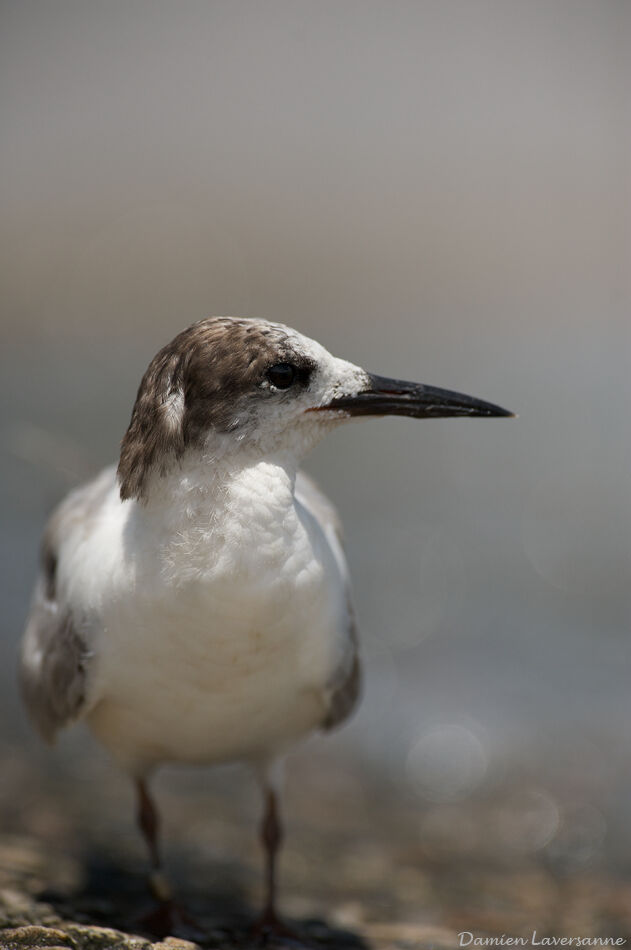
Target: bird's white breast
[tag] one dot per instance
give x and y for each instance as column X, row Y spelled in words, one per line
column 220, row 623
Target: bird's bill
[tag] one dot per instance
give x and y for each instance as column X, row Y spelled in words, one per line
column 396, row 397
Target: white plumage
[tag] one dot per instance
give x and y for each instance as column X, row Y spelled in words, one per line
column 194, row 606
column 221, row 637
column 213, row 611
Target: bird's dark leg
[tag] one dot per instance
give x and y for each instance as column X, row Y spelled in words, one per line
column 167, row 917
column 149, row 824
column 271, row 838
column 269, row 923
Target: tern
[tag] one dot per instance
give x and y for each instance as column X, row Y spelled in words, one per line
column 193, row 604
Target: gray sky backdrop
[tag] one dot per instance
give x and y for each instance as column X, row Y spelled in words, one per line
column 437, row 190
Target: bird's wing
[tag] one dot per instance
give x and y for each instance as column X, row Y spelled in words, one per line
column 55, row 656
column 344, row 687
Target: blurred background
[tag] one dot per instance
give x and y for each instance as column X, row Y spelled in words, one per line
column 438, row 191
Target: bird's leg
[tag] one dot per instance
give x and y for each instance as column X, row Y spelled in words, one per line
column 269, row 923
column 271, row 838
column 149, row 824
column 168, row 917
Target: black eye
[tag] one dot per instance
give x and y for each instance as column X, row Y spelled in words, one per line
column 282, row 375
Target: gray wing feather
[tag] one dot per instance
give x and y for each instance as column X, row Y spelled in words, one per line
column 313, row 498
column 346, row 685
column 344, row 688
column 55, row 659
column 53, row 666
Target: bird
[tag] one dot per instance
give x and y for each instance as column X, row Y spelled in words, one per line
column 193, row 603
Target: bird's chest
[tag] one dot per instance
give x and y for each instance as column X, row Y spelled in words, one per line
column 225, row 634
column 253, row 580
column 223, row 637
column 253, row 607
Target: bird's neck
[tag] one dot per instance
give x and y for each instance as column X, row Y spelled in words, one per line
column 218, row 505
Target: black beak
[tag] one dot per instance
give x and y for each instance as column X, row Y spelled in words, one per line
column 396, row 397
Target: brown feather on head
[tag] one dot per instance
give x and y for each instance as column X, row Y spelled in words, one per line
column 154, row 435
column 203, row 379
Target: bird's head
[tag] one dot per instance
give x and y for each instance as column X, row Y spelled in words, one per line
column 229, row 385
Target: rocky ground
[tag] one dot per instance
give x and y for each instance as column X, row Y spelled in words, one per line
column 363, row 867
